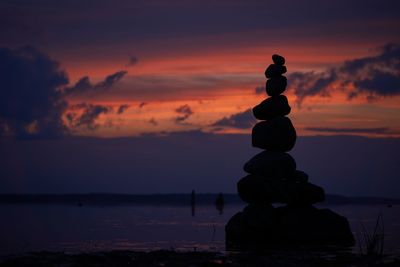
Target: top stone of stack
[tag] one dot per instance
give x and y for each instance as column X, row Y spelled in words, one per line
column 276, row 83
column 278, row 60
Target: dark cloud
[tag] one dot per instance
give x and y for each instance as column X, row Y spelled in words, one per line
column 31, row 103
column 307, row 84
column 389, row 57
column 88, row 115
column 85, row 86
column 133, row 60
column 378, row 130
column 185, row 112
column 142, row 104
column 33, row 96
column 122, row 108
column 242, row 120
column 380, row 84
column 375, row 77
column 153, row 121
column 110, row 80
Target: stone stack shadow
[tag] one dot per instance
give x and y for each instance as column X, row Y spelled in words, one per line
column 273, row 178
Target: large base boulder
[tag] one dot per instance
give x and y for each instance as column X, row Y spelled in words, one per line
column 255, row 189
column 255, row 224
column 287, row 227
column 318, row 226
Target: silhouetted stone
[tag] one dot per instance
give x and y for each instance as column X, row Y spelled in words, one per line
column 235, row 231
column 259, row 216
column 304, row 194
column 309, row 225
column 288, row 227
column 273, row 178
column 278, row 60
column 299, row 176
column 274, row 70
column 255, row 189
column 272, row 107
column 271, row 164
column 254, row 222
column 276, row 85
column 277, row 134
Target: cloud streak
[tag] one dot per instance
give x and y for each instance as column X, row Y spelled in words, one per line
column 374, row 77
column 122, row 108
column 84, row 85
column 377, row 130
column 241, row 120
column 185, row 111
column 87, row 116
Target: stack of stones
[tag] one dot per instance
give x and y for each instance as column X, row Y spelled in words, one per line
column 273, row 178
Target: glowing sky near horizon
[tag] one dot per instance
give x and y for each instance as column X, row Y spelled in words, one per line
column 210, row 58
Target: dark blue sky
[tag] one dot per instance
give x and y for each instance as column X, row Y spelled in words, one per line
column 180, row 162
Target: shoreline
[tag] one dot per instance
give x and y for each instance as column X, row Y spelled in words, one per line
column 198, row 258
column 176, row 199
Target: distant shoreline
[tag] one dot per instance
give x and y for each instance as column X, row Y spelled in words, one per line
column 108, row 199
column 198, row 258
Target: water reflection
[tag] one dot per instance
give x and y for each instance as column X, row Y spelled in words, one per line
column 193, row 202
column 219, row 203
column 73, row 229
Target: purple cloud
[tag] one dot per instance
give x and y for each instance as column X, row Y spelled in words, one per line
column 375, row 77
column 31, row 104
column 133, row 60
column 185, row 112
column 88, row 115
column 241, row 120
column 122, row 108
column 84, row 85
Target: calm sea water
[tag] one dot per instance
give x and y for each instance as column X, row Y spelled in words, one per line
column 25, row 228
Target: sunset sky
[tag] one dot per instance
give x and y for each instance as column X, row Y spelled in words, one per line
column 128, row 68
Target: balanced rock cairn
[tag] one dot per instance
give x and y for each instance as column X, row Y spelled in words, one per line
column 273, row 178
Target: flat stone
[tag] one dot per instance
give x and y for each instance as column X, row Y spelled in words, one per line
column 272, row 107
column 256, row 189
column 275, row 70
column 271, row 164
column 278, row 60
column 277, row 134
column 276, row 85
column 251, row 222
